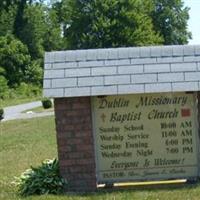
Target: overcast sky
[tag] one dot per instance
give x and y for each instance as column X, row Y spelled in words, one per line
column 194, row 21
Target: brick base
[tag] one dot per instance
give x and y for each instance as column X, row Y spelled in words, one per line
column 75, row 142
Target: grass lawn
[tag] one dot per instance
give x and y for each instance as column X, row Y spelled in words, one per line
column 28, row 142
column 23, row 143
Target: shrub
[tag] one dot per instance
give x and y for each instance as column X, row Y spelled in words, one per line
column 46, row 103
column 44, row 179
column 1, row 113
column 27, row 90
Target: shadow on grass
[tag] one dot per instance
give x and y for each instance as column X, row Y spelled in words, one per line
column 140, row 188
column 124, row 193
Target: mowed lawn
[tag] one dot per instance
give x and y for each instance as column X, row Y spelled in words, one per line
column 28, row 142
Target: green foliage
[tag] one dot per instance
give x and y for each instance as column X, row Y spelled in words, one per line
column 46, row 103
column 7, row 18
column 16, row 62
column 38, row 28
column 170, row 20
column 3, row 87
column 22, row 94
column 34, row 73
column 1, row 114
column 32, row 31
column 27, row 90
column 44, row 179
column 14, row 58
column 52, row 39
column 103, row 23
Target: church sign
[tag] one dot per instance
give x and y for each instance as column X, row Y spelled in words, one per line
column 145, row 137
column 125, row 114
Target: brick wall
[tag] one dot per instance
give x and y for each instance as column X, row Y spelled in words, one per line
column 75, row 142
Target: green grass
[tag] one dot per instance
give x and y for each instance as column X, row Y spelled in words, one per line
column 17, row 101
column 28, row 142
column 23, row 143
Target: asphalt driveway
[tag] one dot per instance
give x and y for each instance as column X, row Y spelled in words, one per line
column 15, row 112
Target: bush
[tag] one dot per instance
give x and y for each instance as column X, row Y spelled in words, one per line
column 44, row 179
column 46, row 103
column 1, row 113
column 27, row 90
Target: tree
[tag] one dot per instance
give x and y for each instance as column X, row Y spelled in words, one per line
column 19, row 21
column 170, row 20
column 5, row 4
column 52, row 39
column 15, row 62
column 39, row 29
column 7, row 18
column 103, row 23
column 11, row 16
column 32, row 29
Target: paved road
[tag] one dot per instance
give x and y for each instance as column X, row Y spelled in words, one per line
column 15, row 112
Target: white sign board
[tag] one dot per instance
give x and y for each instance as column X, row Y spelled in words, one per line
column 145, row 137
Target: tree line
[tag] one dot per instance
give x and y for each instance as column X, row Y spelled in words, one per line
column 28, row 28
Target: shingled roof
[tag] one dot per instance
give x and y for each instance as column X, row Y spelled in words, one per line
column 117, row 71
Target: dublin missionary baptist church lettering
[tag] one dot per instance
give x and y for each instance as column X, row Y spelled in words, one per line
column 149, row 136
